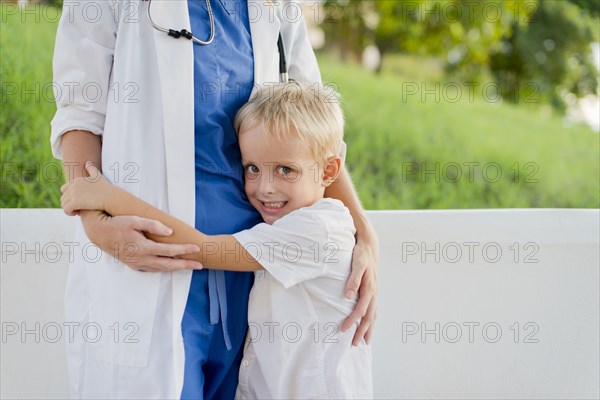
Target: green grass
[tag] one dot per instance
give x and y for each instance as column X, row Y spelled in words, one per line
column 387, row 135
column 29, row 173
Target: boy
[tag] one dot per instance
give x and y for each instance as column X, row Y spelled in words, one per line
column 289, row 138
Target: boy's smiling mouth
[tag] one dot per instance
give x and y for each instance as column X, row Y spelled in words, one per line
column 273, row 205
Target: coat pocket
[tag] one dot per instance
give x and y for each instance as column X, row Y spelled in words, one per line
column 122, row 305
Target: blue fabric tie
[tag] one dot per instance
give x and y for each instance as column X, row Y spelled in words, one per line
column 217, row 292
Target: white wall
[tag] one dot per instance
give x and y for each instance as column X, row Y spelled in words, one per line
column 522, row 323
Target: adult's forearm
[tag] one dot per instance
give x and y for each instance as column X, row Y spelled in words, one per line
column 79, row 147
column 343, row 190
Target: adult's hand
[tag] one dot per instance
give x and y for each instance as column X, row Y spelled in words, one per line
column 363, row 279
column 123, row 237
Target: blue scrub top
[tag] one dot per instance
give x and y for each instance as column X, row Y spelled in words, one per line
column 223, row 81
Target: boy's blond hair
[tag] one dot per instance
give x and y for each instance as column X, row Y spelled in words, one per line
column 311, row 113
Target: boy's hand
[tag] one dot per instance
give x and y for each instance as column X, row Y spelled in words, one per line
column 85, row 193
column 364, row 279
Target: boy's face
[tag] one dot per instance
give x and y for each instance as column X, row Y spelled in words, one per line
column 279, row 177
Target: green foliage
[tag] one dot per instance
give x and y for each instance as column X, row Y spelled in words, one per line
column 55, row 3
column 592, row 6
column 461, row 32
column 346, row 26
column 550, row 54
column 528, row 46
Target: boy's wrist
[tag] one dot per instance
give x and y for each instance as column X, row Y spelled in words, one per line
column 109, row 191
column 89, row 216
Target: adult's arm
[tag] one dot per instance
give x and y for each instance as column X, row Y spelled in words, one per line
column 83, row 58
column 364, row 260
column 121, row 236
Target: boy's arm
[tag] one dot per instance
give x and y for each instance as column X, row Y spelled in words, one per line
column 216, row 252
column 364, row 260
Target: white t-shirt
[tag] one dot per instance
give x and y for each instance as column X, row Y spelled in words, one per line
column 294, row 347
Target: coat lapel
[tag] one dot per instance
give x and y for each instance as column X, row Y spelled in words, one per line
column 264, row 27
column 175, row 59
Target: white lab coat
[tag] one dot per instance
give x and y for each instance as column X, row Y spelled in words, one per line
column 117, row 77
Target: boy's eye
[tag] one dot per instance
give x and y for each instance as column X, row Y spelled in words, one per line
column 283, row 170
column 252, row 169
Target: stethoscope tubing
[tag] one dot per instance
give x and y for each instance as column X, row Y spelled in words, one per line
column 188, row 35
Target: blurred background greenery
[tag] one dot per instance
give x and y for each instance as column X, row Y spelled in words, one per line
column 449, row 104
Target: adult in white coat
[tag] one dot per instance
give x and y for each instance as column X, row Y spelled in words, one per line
column 125, row 101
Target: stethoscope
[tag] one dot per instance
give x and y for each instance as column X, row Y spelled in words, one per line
column 283, row 73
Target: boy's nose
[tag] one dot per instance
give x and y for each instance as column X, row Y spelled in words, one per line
column 266, row 184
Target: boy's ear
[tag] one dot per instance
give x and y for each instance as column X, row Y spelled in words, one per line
column 331, row 170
